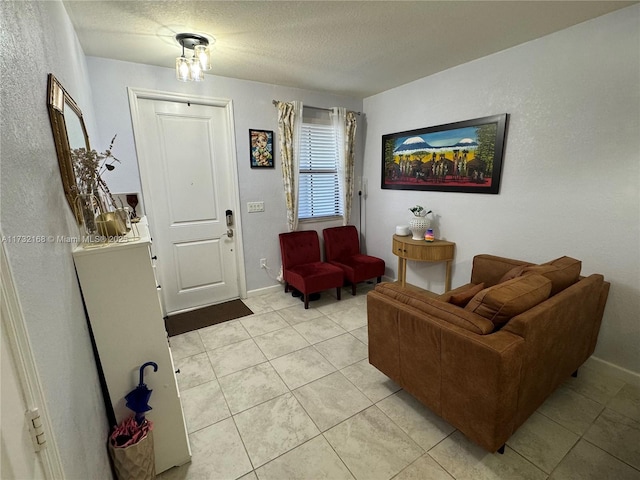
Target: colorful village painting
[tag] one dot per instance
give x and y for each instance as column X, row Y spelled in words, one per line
column 463, row 157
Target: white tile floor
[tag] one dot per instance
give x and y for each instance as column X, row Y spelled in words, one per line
column 288, row 393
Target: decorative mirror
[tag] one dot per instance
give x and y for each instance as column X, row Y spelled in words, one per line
column 69, row 132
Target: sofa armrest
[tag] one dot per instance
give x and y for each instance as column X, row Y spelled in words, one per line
column 602, row 301
column 481, row 376
column 489, row 269
column 437, row 308
column 382, row 330
column 559, row 335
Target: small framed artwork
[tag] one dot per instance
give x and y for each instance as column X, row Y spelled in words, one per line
column 456, row 157
column 261, row 152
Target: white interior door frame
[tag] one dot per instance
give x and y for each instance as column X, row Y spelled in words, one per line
column 13, row 324
column 136, row 94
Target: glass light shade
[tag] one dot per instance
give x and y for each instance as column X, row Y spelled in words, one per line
column 197, row 75
column 203, row 54
column 182, row 69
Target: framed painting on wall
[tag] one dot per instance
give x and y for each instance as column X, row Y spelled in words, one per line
column 261, row 150
column 455, row 157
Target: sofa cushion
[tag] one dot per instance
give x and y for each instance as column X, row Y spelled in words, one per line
column 567, row 273
column 562, row 272
column 508, row 299
column 490, row 268
column 436, row 308
column 462, row 298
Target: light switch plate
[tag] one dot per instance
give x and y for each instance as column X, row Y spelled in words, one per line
column 253, row 207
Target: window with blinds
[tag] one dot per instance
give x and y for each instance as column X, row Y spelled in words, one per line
column 319, row 188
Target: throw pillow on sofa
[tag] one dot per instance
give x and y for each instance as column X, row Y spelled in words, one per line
column 462, row 298
column 515, row 272
column 505, row 300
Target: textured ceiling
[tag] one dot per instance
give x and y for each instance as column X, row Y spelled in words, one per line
column 350, row 48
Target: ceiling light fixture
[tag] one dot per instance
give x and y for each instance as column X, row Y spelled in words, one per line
column 192, row 69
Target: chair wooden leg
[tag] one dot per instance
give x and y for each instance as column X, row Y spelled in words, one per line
column 575, row 374
column 353, row 289
column 379, row 279
column 338, row 292
column 286, row 287
column 306, row 301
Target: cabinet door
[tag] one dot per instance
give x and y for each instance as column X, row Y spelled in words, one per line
column 398, row 248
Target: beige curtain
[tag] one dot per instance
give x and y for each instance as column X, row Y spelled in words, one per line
column 289, row 123
column 345, row 124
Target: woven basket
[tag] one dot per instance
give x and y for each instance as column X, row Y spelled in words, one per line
column 135, row 462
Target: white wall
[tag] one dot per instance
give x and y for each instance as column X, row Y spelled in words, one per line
column 570, row 182
column 253, row 108
column 37, row 38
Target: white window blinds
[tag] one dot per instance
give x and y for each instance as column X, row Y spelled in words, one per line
column 319, row 188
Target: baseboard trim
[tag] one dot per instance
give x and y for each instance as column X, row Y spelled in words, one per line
column 274, row 288
column 262, row 291
column 613, row 370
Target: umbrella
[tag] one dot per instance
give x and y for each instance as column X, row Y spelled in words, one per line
column 138, row 398
column 129, row 432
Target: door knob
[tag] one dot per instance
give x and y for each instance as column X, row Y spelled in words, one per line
column 229, row 233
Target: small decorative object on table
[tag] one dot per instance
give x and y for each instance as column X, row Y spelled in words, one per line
column 132, row 200
column 418, row 224
column 402, row 230
column 429, row 235
column 125, row 216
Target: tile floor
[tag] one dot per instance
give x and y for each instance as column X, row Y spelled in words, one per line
column 288, row 393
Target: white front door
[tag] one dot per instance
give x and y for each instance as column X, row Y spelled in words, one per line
column 187, row 166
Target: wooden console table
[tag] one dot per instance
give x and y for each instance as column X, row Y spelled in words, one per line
column 421, row 251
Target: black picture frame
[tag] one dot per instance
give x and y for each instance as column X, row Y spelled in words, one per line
column 455, row 157
column 261, row 148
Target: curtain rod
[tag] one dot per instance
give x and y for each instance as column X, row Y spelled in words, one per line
column 275, row 102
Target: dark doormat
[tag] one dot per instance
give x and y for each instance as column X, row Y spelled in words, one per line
column 203, row 317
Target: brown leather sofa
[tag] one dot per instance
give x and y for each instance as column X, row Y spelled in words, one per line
column 486, row 355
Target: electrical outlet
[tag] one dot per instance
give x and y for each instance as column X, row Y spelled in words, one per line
column 263, row 263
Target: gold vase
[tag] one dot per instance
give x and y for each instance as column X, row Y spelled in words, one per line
column 110, row 224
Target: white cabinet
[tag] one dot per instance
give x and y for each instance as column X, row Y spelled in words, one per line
column 121, row 295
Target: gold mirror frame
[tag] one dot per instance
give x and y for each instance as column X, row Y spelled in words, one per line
column 69, row 132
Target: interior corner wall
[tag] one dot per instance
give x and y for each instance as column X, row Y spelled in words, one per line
column 571, row 176
column 33, row 204
column 252, row 109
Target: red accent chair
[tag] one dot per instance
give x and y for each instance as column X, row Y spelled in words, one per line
column 342, row 249
column 302, row 267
